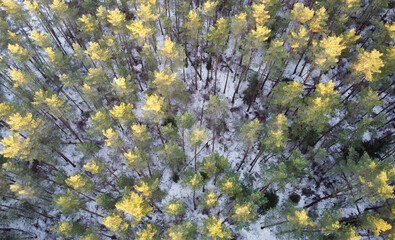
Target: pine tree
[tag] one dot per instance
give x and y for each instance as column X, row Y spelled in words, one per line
column 242, row 214
column 277, row 134
column 183, row 230
column 153, row 108
column 123, row 112
column 209, row 199
column 217, row 110
column 67, row 202
column 186, row 121
column 194, row 180
column 134, row 205
column 115, row 223
column 174, row 156
column 214, row 229
column 196, row 138
column 230, row 185
column 217, row 36
column 248, row 133
column 301, row 13
column 214, row 165
column 368, row 63
column 148, row 233
column 68, row 228
column 237, row 28
column 175, row 208
column 80, row 182
column 193, row 26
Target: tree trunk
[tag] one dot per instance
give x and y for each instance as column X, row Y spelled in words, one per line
column 230, row 64
column 257, row 87
column 308, row 75
column 195, row 156
column 160, row 133
column 244, row 158
column 240, row 79
column 216, row 70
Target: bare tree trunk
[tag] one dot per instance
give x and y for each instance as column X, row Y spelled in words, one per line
column 230, row 64
column 257, row 87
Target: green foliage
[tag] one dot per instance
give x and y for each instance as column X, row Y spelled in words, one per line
column 67, row 202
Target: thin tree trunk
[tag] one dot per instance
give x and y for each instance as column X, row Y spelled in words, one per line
column 244, row 158
column 257, row 87
column 160, row 133
column 195, row 156
column 230, row 64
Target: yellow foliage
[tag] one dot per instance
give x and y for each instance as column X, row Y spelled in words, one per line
column 153, row 105
column 330, row 228
column 209, row 8
column 260, row 14
column 110, row 135
column 76, row 181
column 22, row 189
column 101, row 12
column 391, row 29
column 59, row 6
column 352, row 3
column 121, row 84
column 147, row 234
column 18, row 77
column 96, row 53
column 168, row 50
column 120, row 111
column 215, row 229
column 164, row 79
column 89, row 25
column 17, row 51
column 41, row 39
column 92, row 167
column 194, row 21
column 131, row 157
column 369, row 63
column 260, row 35
column 32, row 6
column 302, row 13
column 300, row 218
column 15, row 146
column 6, row 109
column 146, row 13
column 27, row 123
column 326, row 90
column 378, row 225
column 211, row 198
column 242, row 212
column 139, row 31
column 197, row 136
column 115, row 223
column 11, row 7
column 331, row 48
column 194, row 180
column 116, row 18
column 135, row 205
column 316, row 25
column 51, row 54
column 65, row 227
column 143, row 188
column 299, row 39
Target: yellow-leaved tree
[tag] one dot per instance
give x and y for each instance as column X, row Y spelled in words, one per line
column 368, row 63
column 135, row 205
column 153, row 108
column 214, row 229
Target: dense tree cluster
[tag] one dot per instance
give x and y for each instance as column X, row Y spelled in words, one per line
column 146, row 119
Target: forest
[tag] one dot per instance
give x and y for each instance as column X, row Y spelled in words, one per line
column 197, row 119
